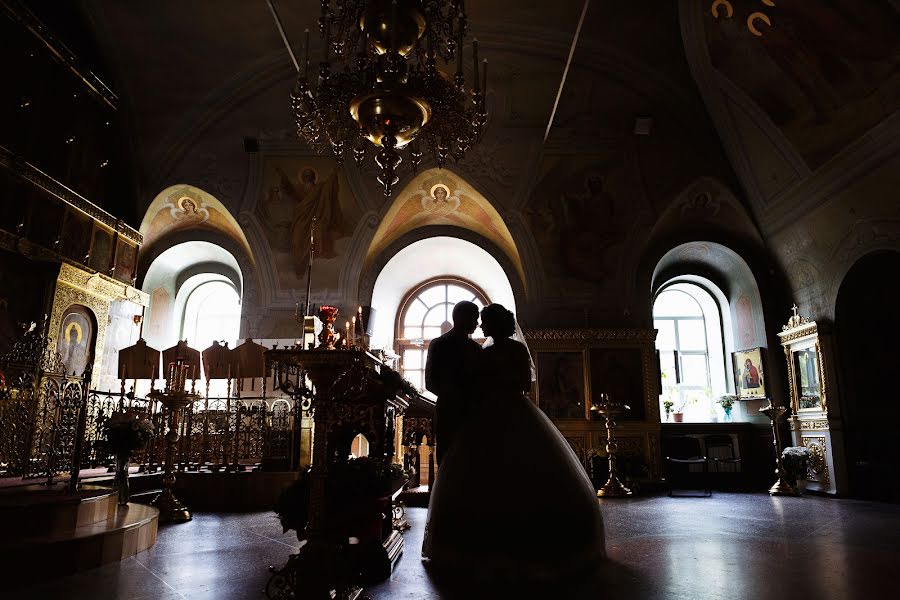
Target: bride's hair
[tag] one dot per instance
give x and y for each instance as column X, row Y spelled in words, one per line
column 500, row 320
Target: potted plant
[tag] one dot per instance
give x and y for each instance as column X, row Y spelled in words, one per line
column 125, row 432
column 667, row 406
column 727, row 403
column 795, row 462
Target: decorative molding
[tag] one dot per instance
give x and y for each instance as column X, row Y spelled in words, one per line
column 815, row 425
column 29, row 172
column 102, row 286
column 590, row 335
column 817, row 470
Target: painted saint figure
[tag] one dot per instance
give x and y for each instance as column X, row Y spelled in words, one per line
column 319, row 200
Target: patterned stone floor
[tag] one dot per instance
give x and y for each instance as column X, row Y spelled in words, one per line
column 741, row 546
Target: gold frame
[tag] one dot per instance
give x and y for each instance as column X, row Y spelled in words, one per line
column 801, row 334
column 637, row 436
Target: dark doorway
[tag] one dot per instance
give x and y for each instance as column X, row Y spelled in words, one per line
column 867, row 325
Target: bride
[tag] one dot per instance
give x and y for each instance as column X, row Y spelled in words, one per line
column 511, row 500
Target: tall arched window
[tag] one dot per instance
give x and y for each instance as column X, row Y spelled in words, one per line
column 212, row 312
column 692, row 356
column 426, row 313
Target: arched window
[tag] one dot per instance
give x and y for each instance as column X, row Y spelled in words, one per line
column 426, row 313
column 692, row 356
column 212, row 312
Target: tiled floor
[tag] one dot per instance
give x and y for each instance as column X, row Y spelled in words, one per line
column 728, row 546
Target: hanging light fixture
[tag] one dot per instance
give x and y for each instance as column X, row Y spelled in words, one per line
column 387, row 91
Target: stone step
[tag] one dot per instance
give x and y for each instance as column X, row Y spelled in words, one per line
column 37, row 510
column 131, row 530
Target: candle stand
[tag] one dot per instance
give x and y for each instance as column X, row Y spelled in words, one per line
column 781, row 487
column 613, row 488
column 175, row 399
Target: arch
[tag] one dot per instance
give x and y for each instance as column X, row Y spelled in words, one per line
column 180, row 207
column 867, row 300
column 174, row 274
column 448, row 256
column 426, row 313
column 425, row 201
column 723, row 274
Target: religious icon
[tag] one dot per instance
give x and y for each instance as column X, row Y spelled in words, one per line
column 187, row 209
column 75, row 342
column 440, row 201
column 748, row 374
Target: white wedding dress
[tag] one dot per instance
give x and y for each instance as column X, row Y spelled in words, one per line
column 511, row 500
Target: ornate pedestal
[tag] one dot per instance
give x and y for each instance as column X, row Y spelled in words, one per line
column 351, row 392
column 171, row 510
column 613, row 488
column 781, row 487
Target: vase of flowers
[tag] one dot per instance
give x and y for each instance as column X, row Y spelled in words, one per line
column 795, row 462
column 727, row 403
column 125, row 432
column 667, row 406
column 327, row 337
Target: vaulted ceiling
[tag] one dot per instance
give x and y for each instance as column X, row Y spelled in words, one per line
column 769, row 116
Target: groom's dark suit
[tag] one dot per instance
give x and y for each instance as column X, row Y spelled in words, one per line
column 449, row 374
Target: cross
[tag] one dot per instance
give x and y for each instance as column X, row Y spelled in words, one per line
column 795, row 308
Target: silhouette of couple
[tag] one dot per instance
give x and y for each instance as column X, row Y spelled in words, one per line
column 511, row 500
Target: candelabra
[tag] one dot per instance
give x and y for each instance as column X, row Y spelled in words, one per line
column 613, row 488
column 174, row 398
column 781, row 487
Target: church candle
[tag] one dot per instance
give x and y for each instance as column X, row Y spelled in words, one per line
column 347, row 337
column 353, row 337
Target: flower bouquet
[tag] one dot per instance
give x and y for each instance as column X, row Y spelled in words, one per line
column 795, row 461
column 125, row 432
column 727, row 402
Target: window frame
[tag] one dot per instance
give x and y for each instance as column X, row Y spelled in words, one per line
column 684, row 389
column 187, row 306
column 401, row 342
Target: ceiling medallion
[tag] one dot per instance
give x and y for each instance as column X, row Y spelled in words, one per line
column 379, row 84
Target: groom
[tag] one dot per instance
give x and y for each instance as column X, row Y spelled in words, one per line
column 449, row 374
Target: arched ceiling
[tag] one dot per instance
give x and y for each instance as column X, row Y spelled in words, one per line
column 773, row 117
column 205, row 74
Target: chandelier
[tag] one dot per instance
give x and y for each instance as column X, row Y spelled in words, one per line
column 378, row 84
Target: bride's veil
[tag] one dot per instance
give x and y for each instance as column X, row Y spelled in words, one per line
column 519, row 336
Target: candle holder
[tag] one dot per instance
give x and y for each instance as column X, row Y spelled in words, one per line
column 781, row 487
column 613, row 488
column 175, row 399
